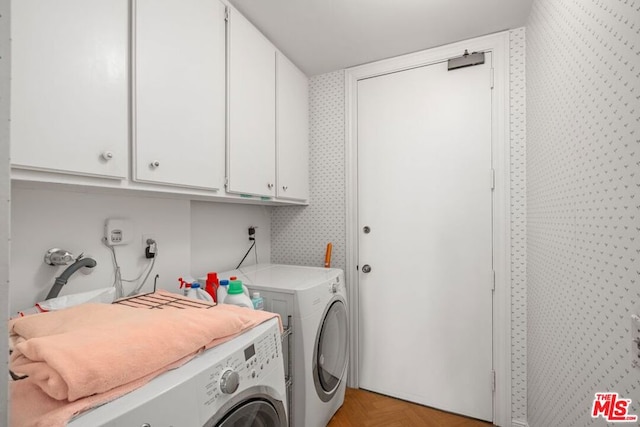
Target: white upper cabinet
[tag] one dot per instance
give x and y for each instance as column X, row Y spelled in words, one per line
column 292, row 115
column 69, row 86
column 251, row 149
column 179, row 92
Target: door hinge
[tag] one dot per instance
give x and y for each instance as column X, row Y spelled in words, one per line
column 491, row 78
column 226, row 14
column 226, row 181
column 493, row 179
column 493, row 380
column 493, row 280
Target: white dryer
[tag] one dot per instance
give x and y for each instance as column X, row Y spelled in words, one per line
column 236, row 384
column 316, row 300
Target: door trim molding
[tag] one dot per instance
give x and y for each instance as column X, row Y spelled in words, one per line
column 498, row 44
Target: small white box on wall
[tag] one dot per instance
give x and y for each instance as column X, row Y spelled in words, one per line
column 118, row 231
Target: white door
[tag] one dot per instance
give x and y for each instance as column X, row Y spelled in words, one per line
column 424, row 191
column 251, row 151
column 69, row 86
column 180, row 92
column 292, row 118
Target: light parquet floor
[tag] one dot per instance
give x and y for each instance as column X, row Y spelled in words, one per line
column 363, row 408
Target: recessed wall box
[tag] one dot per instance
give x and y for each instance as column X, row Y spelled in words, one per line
column 117, row 231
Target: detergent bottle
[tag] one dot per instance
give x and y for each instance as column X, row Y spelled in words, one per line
column 221, row 292
column 236, row 295
column 211, row 284
column 196, row 293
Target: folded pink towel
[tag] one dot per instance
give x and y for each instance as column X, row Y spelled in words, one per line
column 94, row 348
column 32, row 407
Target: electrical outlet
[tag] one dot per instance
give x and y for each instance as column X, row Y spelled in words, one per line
column 150, row 246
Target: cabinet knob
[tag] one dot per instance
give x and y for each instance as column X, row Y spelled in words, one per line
column 107, row 155
column 284, row 188
column 155, row 164
column 270, row 186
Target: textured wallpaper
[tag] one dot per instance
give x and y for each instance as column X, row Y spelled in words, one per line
column 299, row 234
column 583, row 204
column 518, row 225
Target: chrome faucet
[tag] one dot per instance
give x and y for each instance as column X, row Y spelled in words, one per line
column 63, row 259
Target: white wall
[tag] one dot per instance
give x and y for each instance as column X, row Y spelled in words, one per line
column 213, row 235
column 5, row 197
column 583, row 206
column 219, row 235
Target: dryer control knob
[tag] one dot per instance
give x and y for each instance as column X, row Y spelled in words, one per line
column 229, row 381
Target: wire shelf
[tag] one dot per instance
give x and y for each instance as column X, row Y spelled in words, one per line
column 160, row 301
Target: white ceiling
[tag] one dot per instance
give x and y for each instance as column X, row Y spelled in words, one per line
column 328, row 35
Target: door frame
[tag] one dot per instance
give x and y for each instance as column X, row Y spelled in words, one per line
column 498, row 45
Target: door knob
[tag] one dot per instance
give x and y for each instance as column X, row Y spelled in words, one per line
column 366, row 268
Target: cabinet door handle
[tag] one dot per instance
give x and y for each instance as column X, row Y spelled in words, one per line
column 270, row 186
column 155, row 164
column 107, row 155
column 284, row 187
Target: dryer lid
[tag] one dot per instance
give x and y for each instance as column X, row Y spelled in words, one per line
column 278, row 277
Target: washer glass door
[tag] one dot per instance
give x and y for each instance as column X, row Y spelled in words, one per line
column 330, row 358
column 255, row 413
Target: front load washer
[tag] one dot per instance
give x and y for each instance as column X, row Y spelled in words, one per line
column 236, row 384
column 316, row 300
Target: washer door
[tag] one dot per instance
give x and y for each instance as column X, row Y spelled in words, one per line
column 254, row 407
column 254, row 413
column 331, row 350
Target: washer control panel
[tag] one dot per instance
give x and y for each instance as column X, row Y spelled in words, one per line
column 240, row 370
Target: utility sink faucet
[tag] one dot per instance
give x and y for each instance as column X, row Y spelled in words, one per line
column 61, row 257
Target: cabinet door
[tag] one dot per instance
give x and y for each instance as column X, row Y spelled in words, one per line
column 292, row 131
column 251, row 147
column 69, row 86
column 179, row 95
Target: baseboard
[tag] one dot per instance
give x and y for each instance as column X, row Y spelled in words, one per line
column 519, row 423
